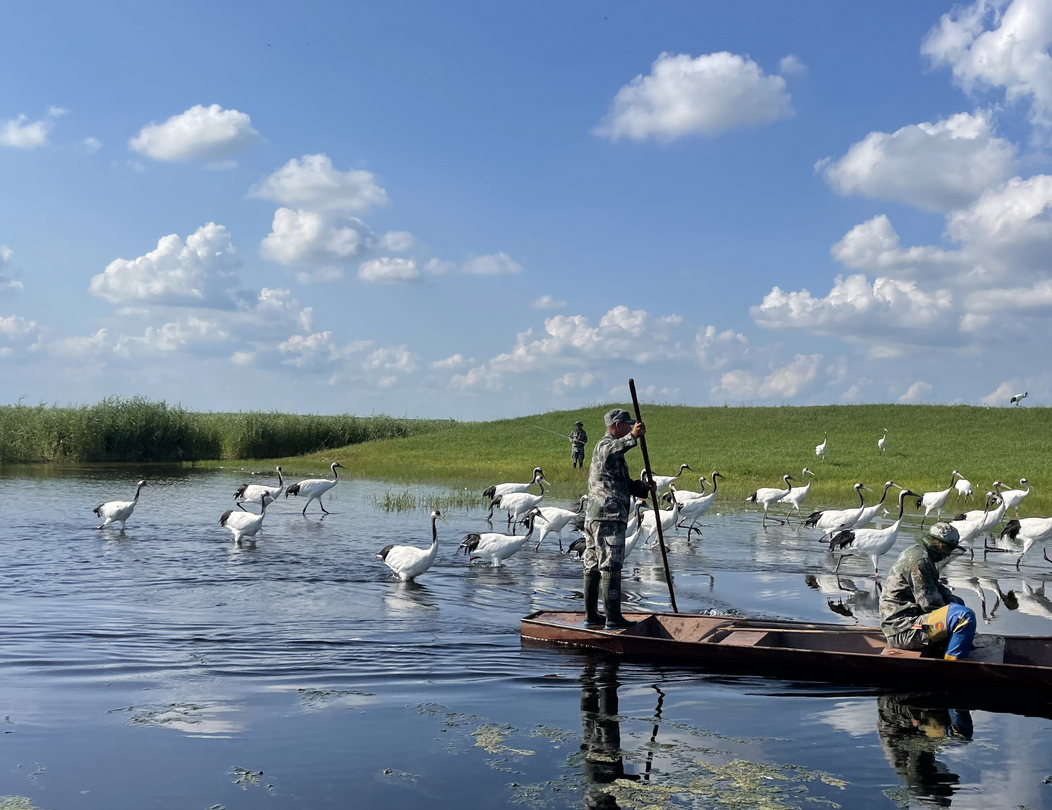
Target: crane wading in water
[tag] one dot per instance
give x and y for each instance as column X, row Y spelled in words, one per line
column 410, row 562
column 244, row 524
column 313, row 488
column 610, row 491
column 118, row 511
column 253, row 493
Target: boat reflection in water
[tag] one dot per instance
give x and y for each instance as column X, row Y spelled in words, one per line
column 601, row 738
column 912, row 732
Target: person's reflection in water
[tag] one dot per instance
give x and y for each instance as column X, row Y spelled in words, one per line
column 601, row 740
column 912, row 734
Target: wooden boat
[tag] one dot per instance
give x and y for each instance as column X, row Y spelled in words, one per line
column 801, row 650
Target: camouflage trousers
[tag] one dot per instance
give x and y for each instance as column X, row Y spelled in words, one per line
column 577, row 454
column 604, row 545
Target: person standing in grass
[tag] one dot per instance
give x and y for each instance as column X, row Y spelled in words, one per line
column 610, row 491
column 918, row 612
column 578, row 439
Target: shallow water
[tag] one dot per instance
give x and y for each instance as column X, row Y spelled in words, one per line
column 165, row 667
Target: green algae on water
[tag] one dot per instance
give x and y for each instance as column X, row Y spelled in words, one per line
column 17, row 803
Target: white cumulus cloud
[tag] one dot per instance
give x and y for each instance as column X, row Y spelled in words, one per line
column 934, row 166
column 854, row 306
column 200, row 272
column 21, row 133
column 313, row 183
column 496, row 264
column 388, row 270
column 705, row 95
column 994, row 44
column 916, row 392
column 201, row 133
column 310, row 238
column 397, row 241
column 547, row 302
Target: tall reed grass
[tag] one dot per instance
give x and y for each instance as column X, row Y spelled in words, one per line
column 141, row 430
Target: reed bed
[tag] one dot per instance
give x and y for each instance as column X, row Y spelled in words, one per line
column 142, row 430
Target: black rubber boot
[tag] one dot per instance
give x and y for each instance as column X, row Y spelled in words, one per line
column 611, row 591
column 592, row 616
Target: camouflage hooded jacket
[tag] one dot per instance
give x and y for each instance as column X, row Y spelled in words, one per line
column 610, row 486
column 912, row 590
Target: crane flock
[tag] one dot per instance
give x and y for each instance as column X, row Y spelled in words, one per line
column 845, row 530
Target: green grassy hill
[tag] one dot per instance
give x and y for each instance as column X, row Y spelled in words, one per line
column 750, row 446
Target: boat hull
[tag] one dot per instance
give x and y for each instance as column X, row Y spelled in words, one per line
column 795, row 650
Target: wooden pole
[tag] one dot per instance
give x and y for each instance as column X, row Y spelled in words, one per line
column 654, row 499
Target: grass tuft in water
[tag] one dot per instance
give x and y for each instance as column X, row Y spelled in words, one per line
column 407, row 501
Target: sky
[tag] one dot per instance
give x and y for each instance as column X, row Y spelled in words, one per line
column 477, row 209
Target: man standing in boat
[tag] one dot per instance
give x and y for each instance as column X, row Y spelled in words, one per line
column 578, row 439
column 610, row 491
column 918, row 612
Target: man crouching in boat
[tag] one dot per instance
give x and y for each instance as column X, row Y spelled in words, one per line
column 917, row 612
column 610, row 491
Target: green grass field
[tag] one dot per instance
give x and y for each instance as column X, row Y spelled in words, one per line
column 752, row 447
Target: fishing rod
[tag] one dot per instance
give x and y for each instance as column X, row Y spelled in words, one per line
column 654, row 499
column 551, row 431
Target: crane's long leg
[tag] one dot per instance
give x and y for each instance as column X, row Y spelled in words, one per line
column 323, row 509
column 1044, row 553
column 836, row 570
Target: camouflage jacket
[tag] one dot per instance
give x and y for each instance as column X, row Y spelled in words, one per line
column 578, row 437
column 912, row 589
column 610, row 487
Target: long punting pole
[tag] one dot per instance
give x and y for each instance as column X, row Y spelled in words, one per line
column 654, row 499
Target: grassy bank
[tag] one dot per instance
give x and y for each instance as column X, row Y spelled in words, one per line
column 751, row 446
column 140, row 430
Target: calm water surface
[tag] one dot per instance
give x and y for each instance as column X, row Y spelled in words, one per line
column 166, row 668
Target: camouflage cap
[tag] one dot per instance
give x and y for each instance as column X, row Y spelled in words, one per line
column 578, row 424
column 945, row 533
column 618, row 415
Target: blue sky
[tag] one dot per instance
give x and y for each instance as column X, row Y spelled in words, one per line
column 480, row 209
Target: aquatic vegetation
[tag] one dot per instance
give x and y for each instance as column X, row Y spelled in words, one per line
column 407, row 500
column 142, row 430
column 17, row 803
column 245, row 778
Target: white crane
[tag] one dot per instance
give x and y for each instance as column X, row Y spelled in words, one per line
column 519, row 504
column 797, row 495
column 770, row 495
column 313, row 488
column 245, row 524
column 669, row 517
column 1018, row 398
column 963, row 487
column 935, row 500
column 410, row 562
column 828, row 519
column 1028, row 531
column 693, row 509
column 1013, row 497
column 872, row 543
column 118, row 511
column 553, row 520
column 971, row 524
column 253, row 493
column 820, row 449
column 865, row 517
column 497, row 491
column 663, row 481
column 882, row 442
column 493, row 546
